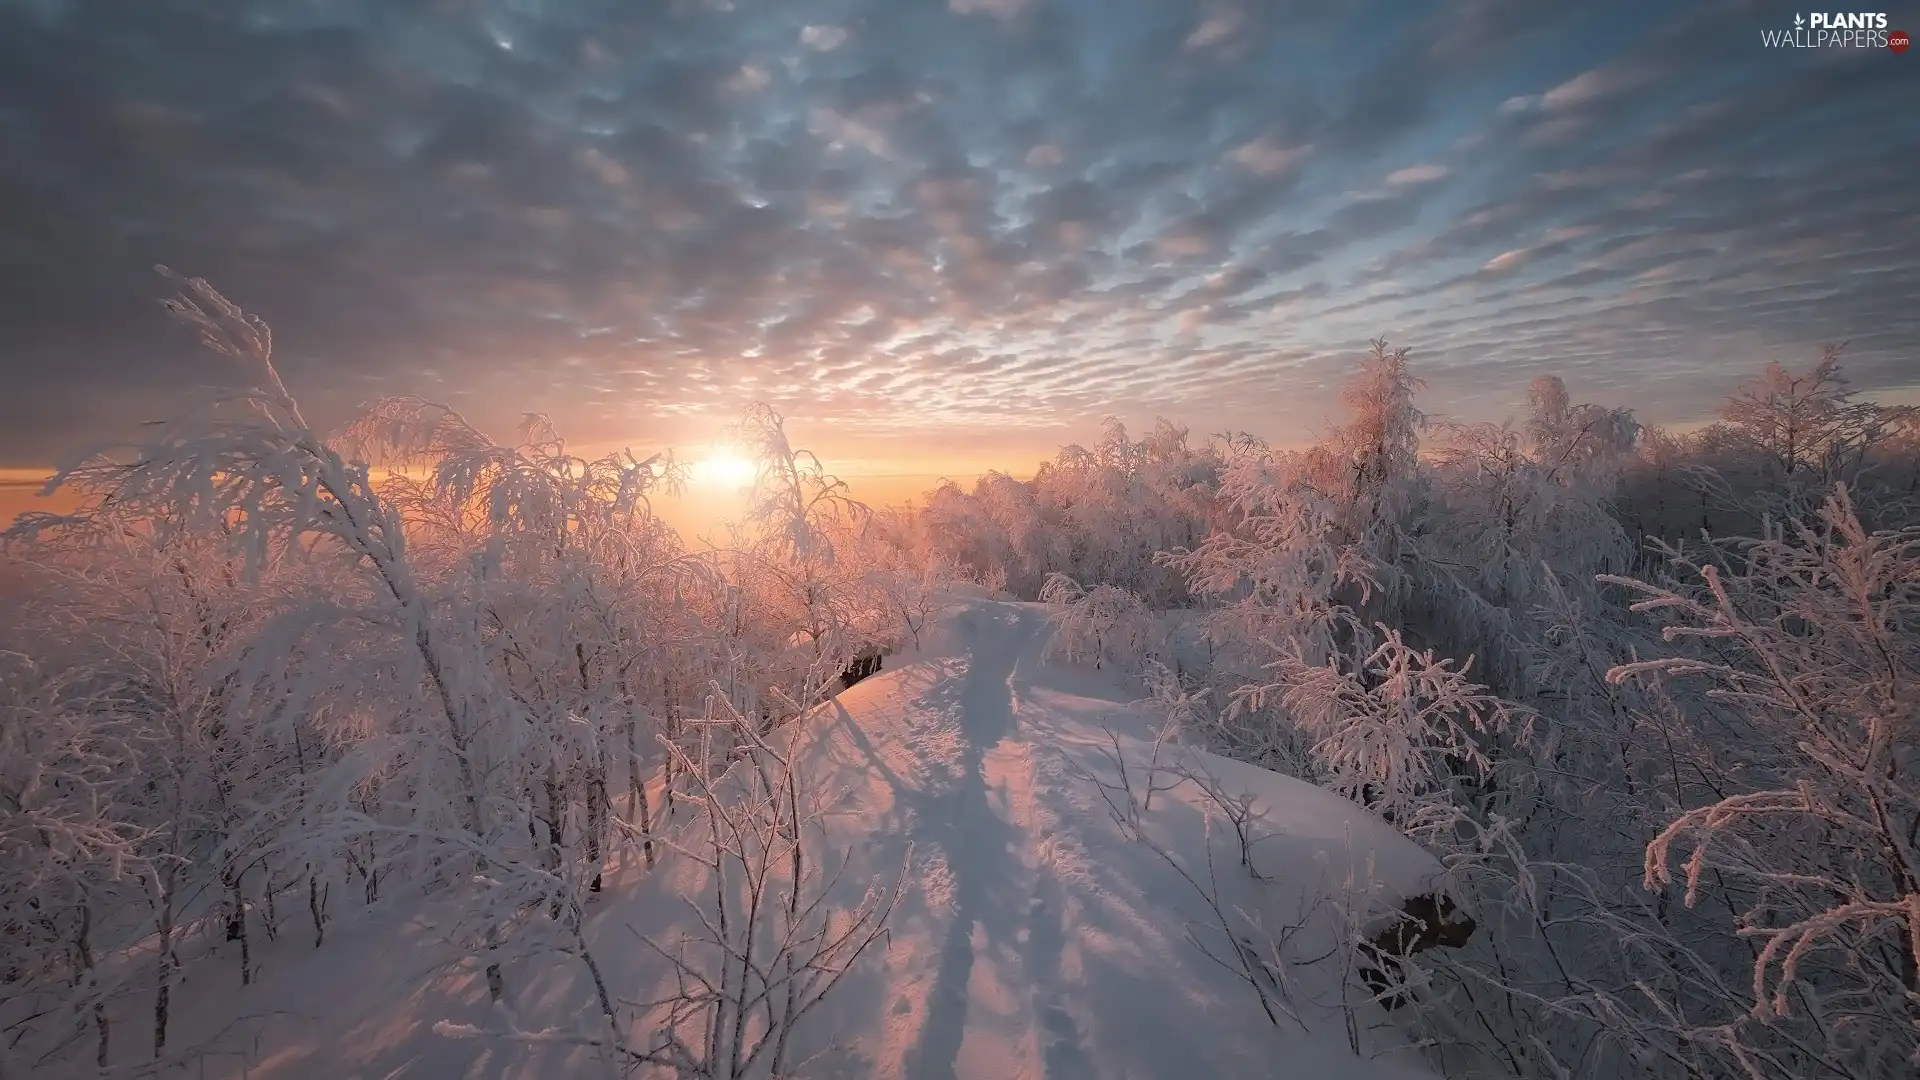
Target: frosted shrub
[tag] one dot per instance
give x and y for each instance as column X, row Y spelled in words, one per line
column 1812, row 640
column 1106, row 626
column 1392, row 732
column 1511, row 518
column 1100, row 515
column 773, row 929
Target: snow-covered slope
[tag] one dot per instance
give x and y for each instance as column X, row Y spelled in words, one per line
column 1034, row 938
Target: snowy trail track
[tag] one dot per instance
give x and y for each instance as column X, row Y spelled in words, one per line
column 1005, row 933
column 1033, row 940
column 979, row 942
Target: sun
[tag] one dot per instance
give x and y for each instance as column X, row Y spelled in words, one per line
column 723, row 471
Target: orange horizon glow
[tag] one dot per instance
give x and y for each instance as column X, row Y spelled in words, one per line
column 719, row 475
column 714, row 495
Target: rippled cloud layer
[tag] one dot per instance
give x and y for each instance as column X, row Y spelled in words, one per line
column 942, row 227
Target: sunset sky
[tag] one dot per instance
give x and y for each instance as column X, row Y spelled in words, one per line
column 941, row 235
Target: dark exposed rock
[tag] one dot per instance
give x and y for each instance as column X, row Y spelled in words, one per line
column 866, row 662
column 1427, row 921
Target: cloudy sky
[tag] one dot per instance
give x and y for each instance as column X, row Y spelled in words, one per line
column 942, row 231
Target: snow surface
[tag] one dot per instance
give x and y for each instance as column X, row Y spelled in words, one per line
column 1034, row 939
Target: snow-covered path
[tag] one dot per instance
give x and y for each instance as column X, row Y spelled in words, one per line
column 1035, row 940
column 976, row 824
column 981, row 993
column 1006, row 931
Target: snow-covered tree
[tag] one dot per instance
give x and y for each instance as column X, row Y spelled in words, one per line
column 1105, row 626
column 1814, row 643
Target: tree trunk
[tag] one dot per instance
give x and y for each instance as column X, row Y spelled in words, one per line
column 269, row 919
column 163, row 968
column 556, row 829
column 596, row 815
column 640, row 813
column 237, row 923
column 670, row 727
column 83, row 974
column 372, row 884
column 496, row 982
column 317, row 907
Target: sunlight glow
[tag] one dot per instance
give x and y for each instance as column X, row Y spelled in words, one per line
column 723, row 471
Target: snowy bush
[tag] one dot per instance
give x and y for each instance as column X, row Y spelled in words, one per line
column 1814, row 645
column 1105, row 626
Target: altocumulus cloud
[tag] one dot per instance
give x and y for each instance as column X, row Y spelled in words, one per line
column 924, row 223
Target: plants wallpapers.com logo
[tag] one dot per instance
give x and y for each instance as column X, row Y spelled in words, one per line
column 1843, row 30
